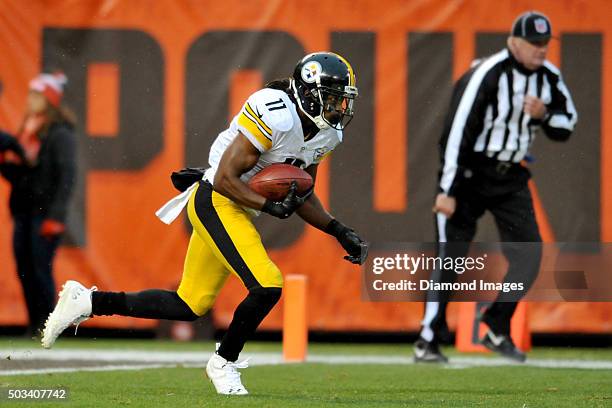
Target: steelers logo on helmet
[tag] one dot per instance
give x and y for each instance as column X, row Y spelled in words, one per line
column 324, row 88
column 311, row 71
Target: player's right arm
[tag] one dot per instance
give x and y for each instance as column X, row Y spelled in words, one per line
column 239, row 157
column 254, row 137
column 261, row 120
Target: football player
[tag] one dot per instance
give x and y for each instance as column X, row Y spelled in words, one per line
column 297, row 121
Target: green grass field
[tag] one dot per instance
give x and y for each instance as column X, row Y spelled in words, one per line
column 326, row 385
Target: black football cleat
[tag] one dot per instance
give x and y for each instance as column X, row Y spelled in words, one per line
column 503, row 345
column 428, row 352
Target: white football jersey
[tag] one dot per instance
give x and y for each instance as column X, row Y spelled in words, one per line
column 270, row 121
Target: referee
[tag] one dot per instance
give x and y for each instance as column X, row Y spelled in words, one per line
column 497, row 109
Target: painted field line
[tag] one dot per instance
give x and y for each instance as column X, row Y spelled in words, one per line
column 137, row 360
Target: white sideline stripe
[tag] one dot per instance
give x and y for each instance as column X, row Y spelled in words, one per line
column 55, row 370
column 168, row 359
column 153, row 356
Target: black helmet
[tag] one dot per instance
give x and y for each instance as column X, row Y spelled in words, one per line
column 324, row 82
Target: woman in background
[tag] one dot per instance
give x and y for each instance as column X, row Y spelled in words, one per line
column 41, row 181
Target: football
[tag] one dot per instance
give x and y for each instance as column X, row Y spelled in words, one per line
column 273, row 181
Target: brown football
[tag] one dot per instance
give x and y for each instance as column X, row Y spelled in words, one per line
column 273, row 181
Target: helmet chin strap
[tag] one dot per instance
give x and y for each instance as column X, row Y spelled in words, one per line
column 320, row 122
column 317, row 120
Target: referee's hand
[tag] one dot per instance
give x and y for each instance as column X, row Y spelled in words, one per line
column 534, row 107
column 445, row 205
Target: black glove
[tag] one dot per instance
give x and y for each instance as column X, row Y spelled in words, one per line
column 8, row 142
column 291, row 202
column 356, row 248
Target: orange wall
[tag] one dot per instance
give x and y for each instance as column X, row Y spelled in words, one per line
column 128, row 249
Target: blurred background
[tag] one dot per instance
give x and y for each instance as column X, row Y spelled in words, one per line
column 153, row 82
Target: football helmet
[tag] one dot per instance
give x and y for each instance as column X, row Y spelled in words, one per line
column 323, row 84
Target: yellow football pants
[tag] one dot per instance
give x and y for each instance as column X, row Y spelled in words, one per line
column 224, row 240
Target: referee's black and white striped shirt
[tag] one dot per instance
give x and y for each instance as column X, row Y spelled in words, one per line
column 486, row 114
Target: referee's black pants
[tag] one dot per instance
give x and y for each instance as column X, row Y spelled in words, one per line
column 508, row 198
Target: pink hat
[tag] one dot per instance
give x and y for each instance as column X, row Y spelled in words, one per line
column 50, row 85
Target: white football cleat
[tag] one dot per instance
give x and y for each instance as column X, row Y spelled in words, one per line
column 225, row 375
column 73, row 307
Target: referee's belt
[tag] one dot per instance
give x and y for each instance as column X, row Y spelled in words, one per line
column 501, row 167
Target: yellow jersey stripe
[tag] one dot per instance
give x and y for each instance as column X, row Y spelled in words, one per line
column 254, row 130
column 350, row 69
column 257, row 118
column 254, row 120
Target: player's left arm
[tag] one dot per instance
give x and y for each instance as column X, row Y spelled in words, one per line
column 313, row 212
